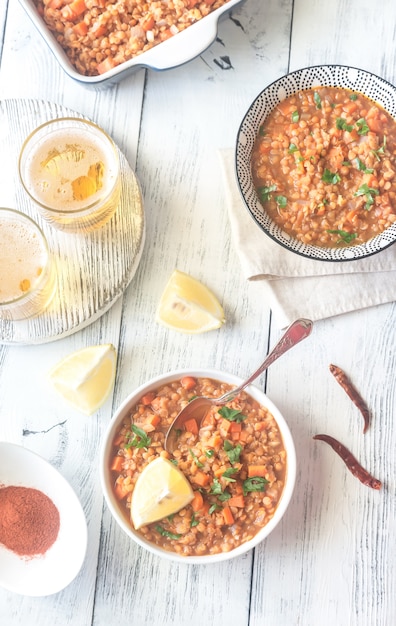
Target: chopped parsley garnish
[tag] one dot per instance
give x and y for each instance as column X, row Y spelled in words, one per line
column 362, row 168
column 209, row 453
column 194, row 520
column 232, row 415
column 233, row 453
column 345, row 236
column 292, row 148
column 217, row 490
column 228, row 474
column 330, row 177
column 166, row 533
column 353, row 96
column 362, row 126
column 281, row 201
column 369, row 193
column 214, row 508
column 262, row 131
column 295, row 117
column 341, row 124
column 195, row 459
column 317, row 100
column 265, row 192
column 381, row 151
column 140, row 439
column 256, row 483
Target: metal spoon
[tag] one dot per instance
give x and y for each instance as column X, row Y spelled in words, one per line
column 198, row 408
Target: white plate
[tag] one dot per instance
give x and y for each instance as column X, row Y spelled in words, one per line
column 47, row 574
column 94, row 269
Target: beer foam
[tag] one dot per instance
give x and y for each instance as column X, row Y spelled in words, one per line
column 22, row 258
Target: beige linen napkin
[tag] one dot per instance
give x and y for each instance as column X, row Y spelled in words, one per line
column 295, row 286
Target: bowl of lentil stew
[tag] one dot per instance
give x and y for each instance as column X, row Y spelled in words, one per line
column 242, row 470
column 100, row 43
column 316, row 162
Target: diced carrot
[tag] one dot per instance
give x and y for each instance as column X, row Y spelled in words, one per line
column 350, row 107
column 116, row 465
column 165, row 34
column 197, row 501
column 257, row 470
column 191, row 426
column 235, row 427
column 238, row 501
column 225, row 425
column 236, row 436
column 351, row 215
column 243, row 435
column 148, row 22
column 98, row 29
column 208, row 420
column 106, row 65
column 260, row 426
column 151, row 422
column 80, row 29
column 228, row 516
column 147, row 398
column 121, row 491
column 201, row 479
column 220, row 471
column 77, row 7
column 215, row 441
column 374, row 124
column 188, row 382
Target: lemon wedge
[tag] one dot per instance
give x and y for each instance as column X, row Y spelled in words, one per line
column 188, row 306
column 86, row 377
column 161, row 490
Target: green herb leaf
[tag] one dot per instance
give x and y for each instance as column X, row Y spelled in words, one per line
column 265, row 192
column 341, row 124
column 369, row 193
column 140, row 438
column 262, row 131
column 281, row 201
column 194, row 521
column 353, row 97
column 317, row 100
column 209, row 453
column 345, row 236
column 216, row 488
column 292, row 148
column 362, row 168
column 295, row 117
column 166, row 533
column 381, row 151
column 256, row 483
column 227, row 475
column 233, row 453
column 232, row 415
column 214, row 507
column 362, row 126
column 195, row 459
column 330, row 177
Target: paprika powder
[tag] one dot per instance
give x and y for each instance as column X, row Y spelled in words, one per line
column 29, row 520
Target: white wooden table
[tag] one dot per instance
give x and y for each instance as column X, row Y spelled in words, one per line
column 332, row 560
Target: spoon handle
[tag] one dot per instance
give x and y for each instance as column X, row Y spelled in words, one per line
column 296, row 332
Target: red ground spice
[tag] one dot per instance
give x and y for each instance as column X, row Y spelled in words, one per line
column 29, row 520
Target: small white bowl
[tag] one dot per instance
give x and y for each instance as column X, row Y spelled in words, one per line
column 352, row 78
column 128, row 405
column 46, row 574
column 176, row 51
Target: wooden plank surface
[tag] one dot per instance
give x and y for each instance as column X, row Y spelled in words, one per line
column 332, row 559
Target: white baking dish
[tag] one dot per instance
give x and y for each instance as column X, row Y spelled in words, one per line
column 176, row 51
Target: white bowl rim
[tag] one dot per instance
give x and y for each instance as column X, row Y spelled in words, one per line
column 333, row 255
column 124, row 409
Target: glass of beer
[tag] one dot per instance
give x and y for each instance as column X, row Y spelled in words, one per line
column 70, row 169
column 27, row 272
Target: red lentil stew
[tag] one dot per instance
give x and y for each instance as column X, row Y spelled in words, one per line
column 98, row 35
column 324, row 165
column 236, row 464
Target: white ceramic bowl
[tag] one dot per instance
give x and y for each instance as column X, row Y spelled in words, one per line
column 49, row 573
column 124, row 410
column 176, row 51
column 322, row 75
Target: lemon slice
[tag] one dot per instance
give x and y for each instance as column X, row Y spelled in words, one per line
column 189, row 306
column 86, row 377
column 161, row 490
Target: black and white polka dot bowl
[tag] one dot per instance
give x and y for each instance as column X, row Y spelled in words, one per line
column 358, row 80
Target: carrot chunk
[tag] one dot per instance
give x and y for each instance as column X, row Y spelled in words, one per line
column 238, row 501
column 188, row 382
column 228, row 516
column 116, row 464
column 201, row 479
column 197, row 501
column 257, row 470
column 191, row 426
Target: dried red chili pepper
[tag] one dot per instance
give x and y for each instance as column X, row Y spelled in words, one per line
column 354, row 395
column 351, row 462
